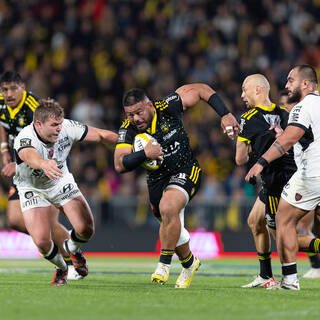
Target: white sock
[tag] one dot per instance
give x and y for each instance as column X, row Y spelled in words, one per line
column 56, row 258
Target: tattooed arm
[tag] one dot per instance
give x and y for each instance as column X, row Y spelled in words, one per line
column 290, row 136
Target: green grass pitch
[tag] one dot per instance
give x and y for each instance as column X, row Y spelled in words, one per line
column 120, row 288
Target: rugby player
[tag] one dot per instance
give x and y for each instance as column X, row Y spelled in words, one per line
column 178, row 178
column 43, row 179
column 305, row 224
column 17, row 107
column 302, row 193
column 255, row 138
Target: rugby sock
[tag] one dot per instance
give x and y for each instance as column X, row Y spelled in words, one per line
column 188, row 261
column 55, row 257
column 314, row 260
column 75, row 242
column 68, row 261
column 314, row 245
column 166, row 256
column 265, row 265
column 289, row 272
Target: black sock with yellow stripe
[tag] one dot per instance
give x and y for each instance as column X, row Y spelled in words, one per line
column 188, row 261
column 265, row 265
column 166, row 256
column 68, row 261
column 314, row 245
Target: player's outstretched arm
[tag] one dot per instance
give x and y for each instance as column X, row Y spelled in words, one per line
column 100, row 135
column 191, row 94
column 32, row 158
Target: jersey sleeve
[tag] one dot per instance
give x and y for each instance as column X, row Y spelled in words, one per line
column 248, row 128
column 125, row 135
column 171, row 104
column 300, row 116
column 24, row 140
column 76, row 131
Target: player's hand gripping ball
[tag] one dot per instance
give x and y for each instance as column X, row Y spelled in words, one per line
column 140, row 141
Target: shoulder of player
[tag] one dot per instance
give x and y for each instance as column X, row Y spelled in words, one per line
column 31, row 101
column 251, row 114
column 126, row 124
column 163, row 103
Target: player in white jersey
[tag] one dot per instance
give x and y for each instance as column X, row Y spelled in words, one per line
column 42, row 178
column 302, row 193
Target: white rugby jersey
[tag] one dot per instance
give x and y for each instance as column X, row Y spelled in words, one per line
column 71, row 132
column 306, row 115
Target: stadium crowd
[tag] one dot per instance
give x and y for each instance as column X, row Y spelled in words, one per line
column 86, row 53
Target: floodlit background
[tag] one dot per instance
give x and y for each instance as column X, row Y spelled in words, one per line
column 87, row 53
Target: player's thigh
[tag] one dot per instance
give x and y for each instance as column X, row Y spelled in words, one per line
column 78, row 212
column 54, row 216
column 288, row 215
column 37, row 221
column 14, row 214
column 172, row 202
column 257, row 213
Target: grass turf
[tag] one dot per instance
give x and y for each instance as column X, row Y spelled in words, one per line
column 120, row 288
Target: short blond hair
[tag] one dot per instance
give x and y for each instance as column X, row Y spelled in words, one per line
column 48, row 108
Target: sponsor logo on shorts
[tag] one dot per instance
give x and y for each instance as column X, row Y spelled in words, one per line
column 287, row 186
column 67, row 188
column 180, row 178
column 70, row 194
column 30, row 202
column 298, row 196
column 28, row 194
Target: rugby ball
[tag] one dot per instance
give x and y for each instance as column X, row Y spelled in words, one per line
column 140, row 141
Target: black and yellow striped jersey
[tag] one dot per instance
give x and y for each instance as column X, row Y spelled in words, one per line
column 168, row 129
column 15, row 119
column 254, row 130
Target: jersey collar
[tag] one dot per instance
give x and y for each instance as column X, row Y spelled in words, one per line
column 13, row 112
column 266, row 108
column 152, row 130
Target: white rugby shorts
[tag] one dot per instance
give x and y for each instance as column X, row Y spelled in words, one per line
column 302, row 192
column 58, row 195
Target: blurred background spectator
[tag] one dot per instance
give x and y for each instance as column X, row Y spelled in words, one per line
column 86, row 53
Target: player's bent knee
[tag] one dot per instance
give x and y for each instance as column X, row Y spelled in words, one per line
column 44, row 245
column 184, row 237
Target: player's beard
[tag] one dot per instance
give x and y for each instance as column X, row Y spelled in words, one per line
column 295, row 97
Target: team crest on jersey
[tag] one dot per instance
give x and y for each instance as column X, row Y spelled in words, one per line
column 25, row 142
column 50, row 153
column 298, row 196
column 164, row 127
column 21, row 122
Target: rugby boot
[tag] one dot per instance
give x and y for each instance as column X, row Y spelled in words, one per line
column 260, row 282
column 59, row 277
column 186, row 275
column 161, row 274
column 73, row 274
column 78, row 260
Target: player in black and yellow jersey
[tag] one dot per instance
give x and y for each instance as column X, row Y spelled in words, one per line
column 255, row 137
column 178, row 178
column 17, row 107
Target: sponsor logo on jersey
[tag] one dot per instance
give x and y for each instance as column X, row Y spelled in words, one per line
column 295, row 112
column 25, row 142
column 173, row 97
column 170, row 134
column 122, row 135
